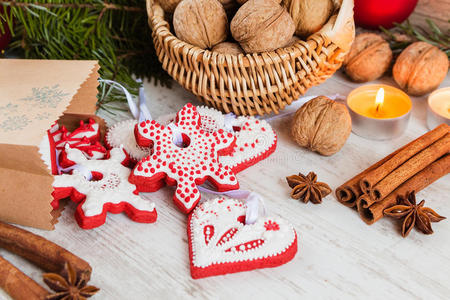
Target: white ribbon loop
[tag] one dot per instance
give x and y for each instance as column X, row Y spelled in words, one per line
column 229, row 121
column 144, row 113
column 133, row 107
column 177, row 137
column 140, row 112
column 253, row 201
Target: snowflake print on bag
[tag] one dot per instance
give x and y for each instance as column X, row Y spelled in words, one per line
column 13, row 123
column 7, row 109
column 46, row 97
column 186, row 166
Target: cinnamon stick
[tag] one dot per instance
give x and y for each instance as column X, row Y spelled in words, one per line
column 371, row 179
column 349, row 192
column 18, row 285
column 40, row 251
column 411, row 167
column 419, row 181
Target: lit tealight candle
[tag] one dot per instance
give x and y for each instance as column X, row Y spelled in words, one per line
column 379, row 111
column 438, row 108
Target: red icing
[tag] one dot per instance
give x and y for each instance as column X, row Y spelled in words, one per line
column 208, row 231
column 98, row 220
column 188, row 157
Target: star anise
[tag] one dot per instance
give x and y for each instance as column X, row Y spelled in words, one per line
column 413, row 214
column 306, row 188
column 67, row 286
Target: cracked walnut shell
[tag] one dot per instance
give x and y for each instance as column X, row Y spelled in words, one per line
column 322, row 125
column 262, row 25
column 368, row 59
column 420, row 68
column 202, row 23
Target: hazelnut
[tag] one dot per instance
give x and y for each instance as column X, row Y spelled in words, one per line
column 228, row 48
column 262, row 25
column 369, row 58
column 169, row 5
column 309, row 15
column 322, row 125
column 202, row 23
column 420, row 68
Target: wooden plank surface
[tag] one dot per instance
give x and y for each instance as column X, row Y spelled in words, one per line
column 339, row 256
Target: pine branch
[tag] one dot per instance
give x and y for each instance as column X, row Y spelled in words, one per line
column 404, row 34
column 115, row 33
column 13, row 3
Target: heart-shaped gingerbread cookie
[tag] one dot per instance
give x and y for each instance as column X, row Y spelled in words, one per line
column 220, row 242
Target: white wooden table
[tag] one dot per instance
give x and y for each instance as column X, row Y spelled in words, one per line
column 339, row 257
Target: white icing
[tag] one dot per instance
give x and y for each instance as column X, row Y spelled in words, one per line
column 189, row 165
column 122, row 133
column 254, row 138
column 221, row 215
column 112, row 188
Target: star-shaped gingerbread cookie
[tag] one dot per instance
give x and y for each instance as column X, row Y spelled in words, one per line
column 186, row 165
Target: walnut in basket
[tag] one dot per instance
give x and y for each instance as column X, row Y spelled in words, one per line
column 369, row 58
column 262, row 25
column 322, row 125
column 420, row 68
column 228, row 48
column 202, row 23
column 309, row 15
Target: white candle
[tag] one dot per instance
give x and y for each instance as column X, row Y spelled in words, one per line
column 439, row 107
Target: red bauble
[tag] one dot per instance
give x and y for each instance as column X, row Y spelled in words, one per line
column 374, row 13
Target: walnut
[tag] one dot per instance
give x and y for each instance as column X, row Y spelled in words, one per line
column 294, row 39
column 262, row 25
column 202, row 23
column 240, row 2
column 369, row 58
column 228, row 48
column 169, row 5
column 322, row 125
column 309, row 15
column 228, row 4
column 420, row 68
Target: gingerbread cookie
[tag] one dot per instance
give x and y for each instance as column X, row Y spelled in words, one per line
column 187, row 165
column 221, row 243
column 122, row 133
column 255, row 139
column 85, row 138
column 107, row 191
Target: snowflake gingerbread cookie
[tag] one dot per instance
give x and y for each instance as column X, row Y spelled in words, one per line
column 220, row 242
column 122, row 133
column 107, row 191
column 186, row 166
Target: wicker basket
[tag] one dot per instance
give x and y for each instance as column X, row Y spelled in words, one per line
column 258, row 83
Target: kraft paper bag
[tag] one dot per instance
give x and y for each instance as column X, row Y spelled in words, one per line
column 33, row 95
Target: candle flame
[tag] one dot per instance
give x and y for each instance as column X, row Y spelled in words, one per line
column 379, row 99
